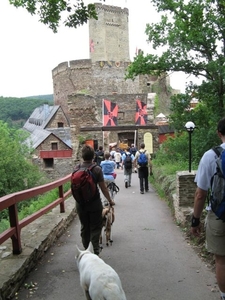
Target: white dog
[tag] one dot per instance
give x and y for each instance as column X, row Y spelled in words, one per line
column 98, row 280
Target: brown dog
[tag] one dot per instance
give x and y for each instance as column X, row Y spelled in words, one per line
column 108, row 219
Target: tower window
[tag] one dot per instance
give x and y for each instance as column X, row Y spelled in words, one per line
column 60, row 124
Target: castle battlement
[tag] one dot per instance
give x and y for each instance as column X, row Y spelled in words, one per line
column 88, row 64
column 73, row 64
column 62, row 67
column 111, row 9
column 80, row 64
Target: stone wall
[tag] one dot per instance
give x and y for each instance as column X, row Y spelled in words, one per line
column 179, row 190
column 59, row 117
column 99, row 78
column 86, row 112
column 185, row 188
column 60, row 169
column 47, row 144
column 183, row 198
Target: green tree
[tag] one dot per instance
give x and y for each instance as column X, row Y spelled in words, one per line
column 192, row 36
column 16, row 171
column 51, row 12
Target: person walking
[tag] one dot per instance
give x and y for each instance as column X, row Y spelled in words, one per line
column 112, row 154
column 143, row 167
column 127, row 162
column 90, row 213
column 99, row 155
column 108, row 169
column 215, row 228
column 117, row 158
column 133, row 151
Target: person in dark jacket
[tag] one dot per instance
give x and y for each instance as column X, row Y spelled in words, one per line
column 99, row 155
column 127, row 167
column 143, row 171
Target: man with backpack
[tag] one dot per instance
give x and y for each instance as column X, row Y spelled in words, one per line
column 215, row 227
column 133, row 151
column 143, row 161
column 127, row 163
column 88, row 201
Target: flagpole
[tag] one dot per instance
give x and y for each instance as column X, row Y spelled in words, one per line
column 135, row 137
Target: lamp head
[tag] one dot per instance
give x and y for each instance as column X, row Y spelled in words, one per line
column 190, row 126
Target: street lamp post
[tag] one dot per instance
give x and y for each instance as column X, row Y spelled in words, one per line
column 190, row 126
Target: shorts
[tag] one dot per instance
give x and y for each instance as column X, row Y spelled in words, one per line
column 107, row 181
column 215, row 234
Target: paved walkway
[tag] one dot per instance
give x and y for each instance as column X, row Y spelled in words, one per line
column 149, row 252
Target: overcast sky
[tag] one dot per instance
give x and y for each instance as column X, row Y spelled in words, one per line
column 30, row 50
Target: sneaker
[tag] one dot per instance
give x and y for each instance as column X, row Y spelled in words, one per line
column 142, row 192
column 146, row 191
column 126, row 184
column 129, row 185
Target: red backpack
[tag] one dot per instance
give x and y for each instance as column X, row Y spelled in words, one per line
column 84, row 184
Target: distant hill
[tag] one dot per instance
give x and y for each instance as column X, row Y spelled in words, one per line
column 16, row 111
column 42, row 97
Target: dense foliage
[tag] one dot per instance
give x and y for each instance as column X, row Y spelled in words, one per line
column 191, row 35
column 174, row 153
column 51, row 12
column 16, row 111
column 16, row 171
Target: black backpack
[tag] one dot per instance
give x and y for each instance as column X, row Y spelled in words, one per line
column 127, row 162
column 99, row 157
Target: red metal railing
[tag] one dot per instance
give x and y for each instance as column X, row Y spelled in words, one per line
column 10, row 202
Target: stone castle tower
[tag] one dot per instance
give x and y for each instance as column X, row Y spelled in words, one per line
column 81, row 85
column 109, row 36
column 104, row 72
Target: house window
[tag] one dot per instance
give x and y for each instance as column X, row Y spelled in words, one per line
column 54, row 146
column 48, row 163
column 60, row 124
